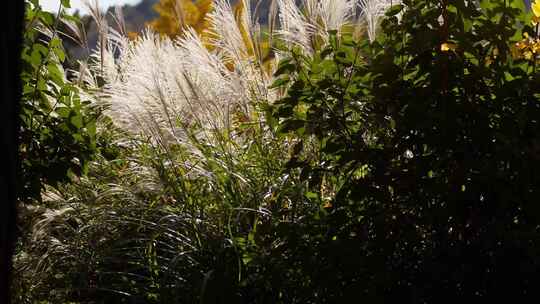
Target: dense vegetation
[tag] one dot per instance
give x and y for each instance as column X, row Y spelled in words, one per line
column 58, row 129
column 389, row 155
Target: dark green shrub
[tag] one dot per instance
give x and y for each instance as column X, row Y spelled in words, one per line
column 428, row 140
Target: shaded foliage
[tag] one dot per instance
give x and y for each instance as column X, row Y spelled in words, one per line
column 57, row 135
column 430, row 138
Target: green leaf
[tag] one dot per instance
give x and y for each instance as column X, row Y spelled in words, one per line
column 55, row 43
column 285, row 68
column 42, row 49
column 63, row 111
column 55, row 74
column 394, row 10
column 60, row 54
column 280, row 82
column 65, row 3
column 42, row 85
column 46, row 17
column 311, row 195
column 35, row 3
column 76, row 121
column 35, row 58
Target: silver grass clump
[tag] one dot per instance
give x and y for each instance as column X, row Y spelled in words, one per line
column 371, row 11
column 295, row 27
column 302, row 26
column 140, row 84
column 336, row 13
column 228, row 36
column 157, row 86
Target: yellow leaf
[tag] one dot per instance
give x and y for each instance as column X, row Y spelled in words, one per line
column 535, row 6
column 132, row 36
column 535, row 20
column 521, row 45
column 536, row 47
column 445, row 47
column 177, row 15
column 240, row 16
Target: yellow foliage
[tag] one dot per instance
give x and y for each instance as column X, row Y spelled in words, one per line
column 176, row 15
column 132, row 36
column 528, row 48
column 445, row 47
column 240, row 16
column 535, row 6
column 256, row 46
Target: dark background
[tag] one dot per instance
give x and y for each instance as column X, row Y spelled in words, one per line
column 10, row 43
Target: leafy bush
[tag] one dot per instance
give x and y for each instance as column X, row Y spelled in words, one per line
column 428, row 140
column 57, row 136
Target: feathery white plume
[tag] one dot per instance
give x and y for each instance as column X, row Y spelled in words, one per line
column 372, row 11
column 155, row 85
column 295, row 28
